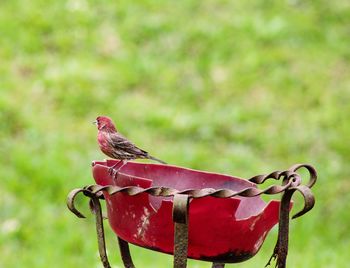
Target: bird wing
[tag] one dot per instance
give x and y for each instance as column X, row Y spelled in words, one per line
column 125, row 148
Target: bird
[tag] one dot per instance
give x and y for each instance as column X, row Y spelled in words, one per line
column 115, row 145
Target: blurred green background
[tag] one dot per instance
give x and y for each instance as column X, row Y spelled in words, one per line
column 238, row 87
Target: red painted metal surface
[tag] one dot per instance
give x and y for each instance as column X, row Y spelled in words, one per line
column 220, row 229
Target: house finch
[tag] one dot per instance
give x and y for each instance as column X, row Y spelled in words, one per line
column 115, row 145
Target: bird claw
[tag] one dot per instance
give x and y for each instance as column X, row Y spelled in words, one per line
column 111, row 171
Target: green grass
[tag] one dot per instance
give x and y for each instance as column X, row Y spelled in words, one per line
column 239, row 87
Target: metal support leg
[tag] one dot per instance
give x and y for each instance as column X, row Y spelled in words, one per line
column 281, row 248
column 125, row 253
column 180, row 217
column 100, row 232
column 218, row 265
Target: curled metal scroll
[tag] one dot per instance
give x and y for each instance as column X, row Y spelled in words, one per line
column 291, row 182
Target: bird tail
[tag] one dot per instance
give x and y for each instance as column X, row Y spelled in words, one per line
column 155, row 159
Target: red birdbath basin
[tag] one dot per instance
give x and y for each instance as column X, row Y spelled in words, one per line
column 220, row 229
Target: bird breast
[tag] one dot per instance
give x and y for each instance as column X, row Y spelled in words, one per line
column 102, row 139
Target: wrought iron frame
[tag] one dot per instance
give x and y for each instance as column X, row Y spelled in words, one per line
column 291, row 183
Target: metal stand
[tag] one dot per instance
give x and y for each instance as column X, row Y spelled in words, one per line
column 291, row 182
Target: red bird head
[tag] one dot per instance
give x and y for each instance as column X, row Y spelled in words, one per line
column 104, row 123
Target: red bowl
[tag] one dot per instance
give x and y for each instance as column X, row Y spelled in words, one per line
column 220, row 229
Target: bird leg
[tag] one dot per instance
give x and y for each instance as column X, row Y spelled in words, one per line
column 112, row 171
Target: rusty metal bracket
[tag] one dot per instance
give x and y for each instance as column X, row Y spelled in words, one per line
column 281, row 249
column 291, row 183
column 180, row 218
column 97, row 211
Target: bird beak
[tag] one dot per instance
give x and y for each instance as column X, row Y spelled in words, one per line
column 95, row 122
